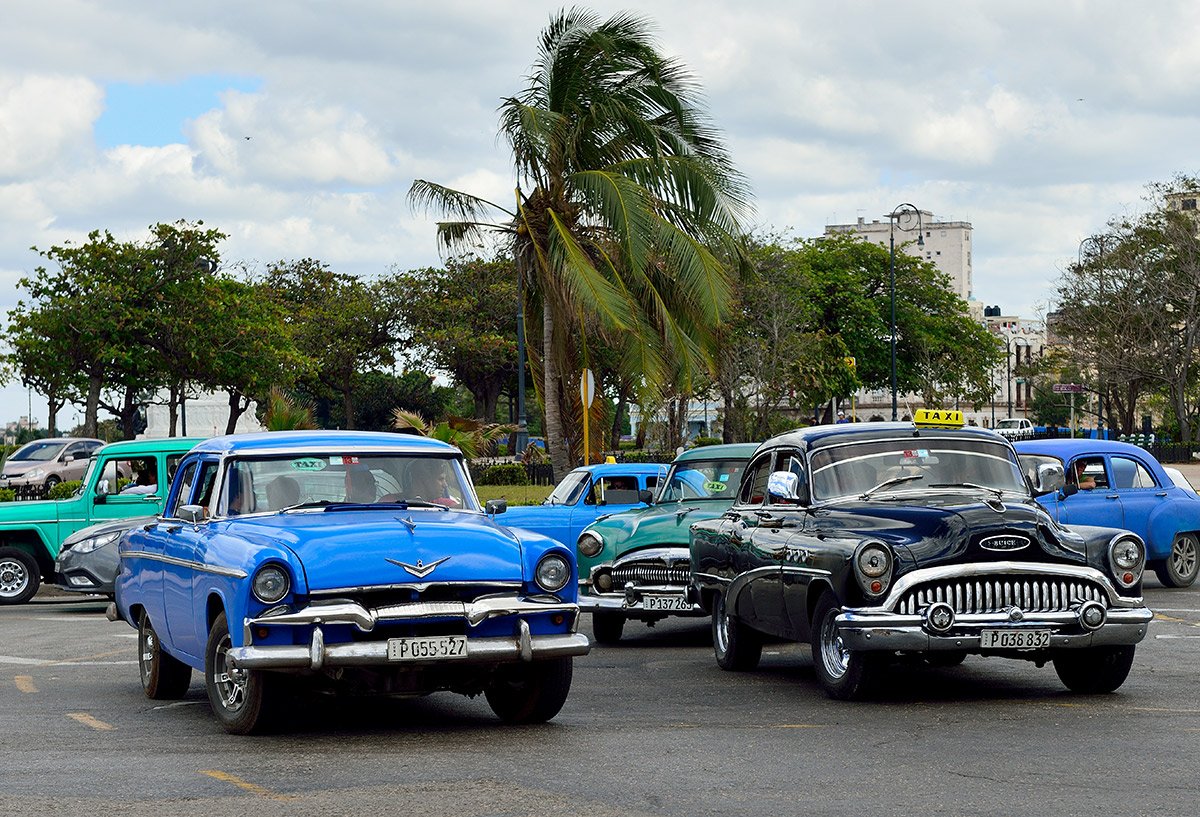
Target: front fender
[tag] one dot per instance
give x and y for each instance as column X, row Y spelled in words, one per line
column 1168, row 519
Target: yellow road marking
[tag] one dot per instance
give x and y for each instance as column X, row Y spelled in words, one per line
column 244, row 785
column 88, row 720
column 25, row 683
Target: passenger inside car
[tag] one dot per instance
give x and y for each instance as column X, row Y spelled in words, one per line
column 283, row 492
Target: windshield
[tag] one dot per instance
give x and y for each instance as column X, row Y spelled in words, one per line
column 38, row 451
column 567, row 492
column 275, row 483
column 913, row 464
column 1008, row 424
column 702, row 479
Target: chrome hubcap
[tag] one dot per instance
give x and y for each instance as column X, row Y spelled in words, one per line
column 1183, row 556
column 146, row 652
column 230, row 683
column 722, row 629
column 13, row 578
column 834, row 654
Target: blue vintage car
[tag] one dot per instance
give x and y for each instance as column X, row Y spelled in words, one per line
column 586, row 494
column 349, row 558
column 1122, row 486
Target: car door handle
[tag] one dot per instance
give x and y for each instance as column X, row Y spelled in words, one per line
column 1160, row 493
column 1112, row 496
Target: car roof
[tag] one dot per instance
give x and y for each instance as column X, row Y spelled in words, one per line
column 324, row 440
column 151, row 445
column 601, row 469
column 723, row 451
column 1067, row 448
column 812, row 437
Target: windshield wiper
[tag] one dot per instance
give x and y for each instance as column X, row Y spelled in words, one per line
column 888, row 483
column 999, row 492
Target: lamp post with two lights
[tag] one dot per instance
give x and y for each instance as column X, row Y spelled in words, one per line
column 893, row 220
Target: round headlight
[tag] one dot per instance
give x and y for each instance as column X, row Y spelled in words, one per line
column 589, row 544
column 271, row 584
column 874, row 561
column 1127, row 554
column 553, row 572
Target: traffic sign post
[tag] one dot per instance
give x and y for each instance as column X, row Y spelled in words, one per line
column 1071, row 389
column 587, row 391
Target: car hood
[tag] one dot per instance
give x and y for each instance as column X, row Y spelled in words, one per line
column 15, row 468
column 39, row 510
column 660, row 525
column 363, row 548
column 945, row 529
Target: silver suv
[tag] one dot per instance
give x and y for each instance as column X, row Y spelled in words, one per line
column 48, row 461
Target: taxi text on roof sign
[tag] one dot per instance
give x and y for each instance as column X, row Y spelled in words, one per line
column 938, row 418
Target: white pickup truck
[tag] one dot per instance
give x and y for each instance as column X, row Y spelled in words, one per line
column 1015, row 428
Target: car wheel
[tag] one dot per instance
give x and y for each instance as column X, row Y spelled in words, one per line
column 241, row 698
column 1180, row 567
column 843, row 674
column 52, row 480
column 164, row 677
column 1094, row 670
column 737, row 647
column 530, row 692
column 607, row 627
column 20, row 576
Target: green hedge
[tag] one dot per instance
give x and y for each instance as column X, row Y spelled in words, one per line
column 64, row 490
column 8, row 495
column 510, row 473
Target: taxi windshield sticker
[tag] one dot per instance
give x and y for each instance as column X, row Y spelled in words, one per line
column 714, row 487
column 308, row 464
column 343, row 460
column 914, row 456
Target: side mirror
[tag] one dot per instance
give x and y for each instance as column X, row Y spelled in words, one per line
column 1068, row 490
column 1050, row 477
column 784, row 485
column 193, row 514
column 495, row 506
column 646, row 496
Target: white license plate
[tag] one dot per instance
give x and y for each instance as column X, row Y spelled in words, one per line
column 427, row 648
column 1014, row 639
column 669, row 603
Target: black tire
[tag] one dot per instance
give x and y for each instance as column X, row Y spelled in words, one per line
column 1182, row 565
column 738, row 648
column 607, row 627
column 164, row 677
column 51, row 481
column 843, row 674
column 20, row 576
column 243, row 700
column 530, row 692
column 1095, row 670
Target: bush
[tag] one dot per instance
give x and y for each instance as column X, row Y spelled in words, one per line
column 509, row 473
column 64, row 490
column 644, row 455
column 8, row 495
column 699, row 441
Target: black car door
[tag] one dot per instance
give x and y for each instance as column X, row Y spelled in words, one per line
column 756, row 539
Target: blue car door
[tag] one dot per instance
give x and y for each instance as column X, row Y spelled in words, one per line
column 182, row 545
column 1141, row 496
column 1100, row 505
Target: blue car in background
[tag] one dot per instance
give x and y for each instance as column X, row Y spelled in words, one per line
column 1118, row 485
column 585, row 495
column 344, row 558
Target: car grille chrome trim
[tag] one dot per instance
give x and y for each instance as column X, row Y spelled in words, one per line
column 641, row 573
column 994, row 595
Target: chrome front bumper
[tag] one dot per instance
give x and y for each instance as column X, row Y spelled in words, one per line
column 877, row 630
column 631, row 604
column 522, row 646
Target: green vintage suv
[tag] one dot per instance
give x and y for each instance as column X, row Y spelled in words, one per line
column 123, row 479
column 634, row 564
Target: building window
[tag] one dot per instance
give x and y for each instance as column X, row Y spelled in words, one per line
column 1189, row 204
column 939, row 252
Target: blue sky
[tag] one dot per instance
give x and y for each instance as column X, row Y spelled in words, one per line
column 1037, row 122
column 152, row 114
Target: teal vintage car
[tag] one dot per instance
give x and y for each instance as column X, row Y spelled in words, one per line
column 634, row 564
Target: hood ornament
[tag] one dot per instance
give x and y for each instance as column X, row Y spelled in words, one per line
column 420, row 570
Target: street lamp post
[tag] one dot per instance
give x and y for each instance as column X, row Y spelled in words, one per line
column 1099, row 247
column 521, row 437
column 893, row 219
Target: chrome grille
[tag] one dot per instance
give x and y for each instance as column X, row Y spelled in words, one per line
column 655, row 573
column 1031, row 594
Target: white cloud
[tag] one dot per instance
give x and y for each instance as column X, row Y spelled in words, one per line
column 42, row 119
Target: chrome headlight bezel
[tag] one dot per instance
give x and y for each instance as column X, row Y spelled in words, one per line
column 271, row 584
column 553, row 572
column 874, row 564
column 1127, row 557
column 589, row 544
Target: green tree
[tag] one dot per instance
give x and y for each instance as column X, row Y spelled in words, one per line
column 622, row 187
column 462, row 320
column 345, row 325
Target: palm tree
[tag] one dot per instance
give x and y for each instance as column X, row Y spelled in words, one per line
column 627, row 207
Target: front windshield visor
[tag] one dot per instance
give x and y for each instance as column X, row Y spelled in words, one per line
column 853, row 469
column 702, row 479
column 282, row 481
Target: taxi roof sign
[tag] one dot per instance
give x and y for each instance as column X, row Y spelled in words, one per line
column 938, row 418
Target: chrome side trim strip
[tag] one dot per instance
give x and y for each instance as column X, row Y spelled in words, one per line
column 231, row 572
column 667, row 555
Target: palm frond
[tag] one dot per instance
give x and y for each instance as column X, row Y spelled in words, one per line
column 585, row 285
column 427, row 196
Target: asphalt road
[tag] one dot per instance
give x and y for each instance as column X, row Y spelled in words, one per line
column 652, row 727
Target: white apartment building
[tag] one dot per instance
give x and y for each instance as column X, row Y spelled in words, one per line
column 947, row 244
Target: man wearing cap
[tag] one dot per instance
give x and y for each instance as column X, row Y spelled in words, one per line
column 842, row 418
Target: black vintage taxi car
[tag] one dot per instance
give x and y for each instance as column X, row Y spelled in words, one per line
column 882, row 540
